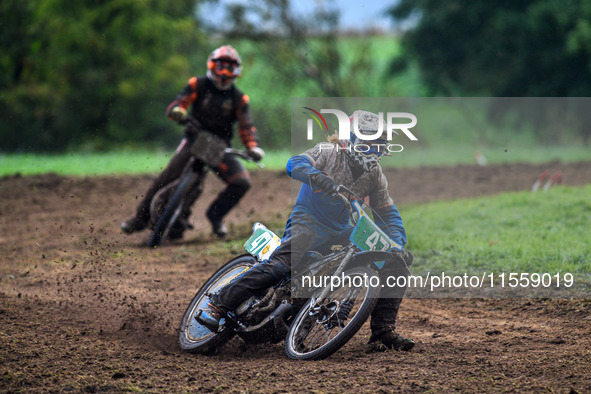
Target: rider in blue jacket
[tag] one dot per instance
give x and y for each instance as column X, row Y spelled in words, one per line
column 318, row 218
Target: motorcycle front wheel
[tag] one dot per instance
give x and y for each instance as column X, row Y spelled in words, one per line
column 173, row 210
column 323, row 326
column 193, row 336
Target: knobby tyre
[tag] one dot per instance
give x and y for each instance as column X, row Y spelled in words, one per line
column 318, row 331
column 172, row 211
column 196, row 338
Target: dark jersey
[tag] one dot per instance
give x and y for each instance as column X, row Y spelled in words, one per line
column 217, row 110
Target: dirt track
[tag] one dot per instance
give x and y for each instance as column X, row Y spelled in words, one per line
column 85, row 309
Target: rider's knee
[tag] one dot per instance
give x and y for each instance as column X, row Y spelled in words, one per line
column 276, row 268
column 242, row 183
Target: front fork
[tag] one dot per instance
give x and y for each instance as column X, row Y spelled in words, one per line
column 340, row 268
column 196, row 169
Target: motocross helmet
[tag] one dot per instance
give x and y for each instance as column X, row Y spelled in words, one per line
column 366, row 153
column 224, row 66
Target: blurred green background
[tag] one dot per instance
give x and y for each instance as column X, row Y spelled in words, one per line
column 87, row 77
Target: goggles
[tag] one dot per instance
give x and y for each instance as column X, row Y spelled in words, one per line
column 377, row 147
column 226, row 68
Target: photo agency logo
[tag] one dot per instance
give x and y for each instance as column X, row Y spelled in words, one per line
column 349, row 128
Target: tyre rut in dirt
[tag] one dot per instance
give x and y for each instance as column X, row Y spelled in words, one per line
column 320, row 330
column 172, row 210
column 196, row 338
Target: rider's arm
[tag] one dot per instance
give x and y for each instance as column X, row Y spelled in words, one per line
column 389, row 220
column 185, row 98
column 305, row 166
column 246, row 130
column 301, row 169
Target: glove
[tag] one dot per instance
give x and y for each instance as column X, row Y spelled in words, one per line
column 256, row 153
column 178, row 114
column 323, row 182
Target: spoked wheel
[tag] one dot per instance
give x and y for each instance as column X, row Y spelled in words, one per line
column 160, row 201
column 323, row 326
column 173, row 210
column 196, row 338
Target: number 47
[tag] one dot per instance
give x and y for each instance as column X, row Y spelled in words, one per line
column 373, row 240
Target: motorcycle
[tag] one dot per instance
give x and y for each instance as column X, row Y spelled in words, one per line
column 315, row 326
column 170, row 207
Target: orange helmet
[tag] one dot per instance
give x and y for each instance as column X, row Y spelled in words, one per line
column 224, row 66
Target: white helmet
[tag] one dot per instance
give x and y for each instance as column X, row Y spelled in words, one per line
column 366, row 153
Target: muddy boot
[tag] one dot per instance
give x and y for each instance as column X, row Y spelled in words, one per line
column 389, row 340
column 225, row 201
column 134, row 224
column 217, row 224
column 210, row 316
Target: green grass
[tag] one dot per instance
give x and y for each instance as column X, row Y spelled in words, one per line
column 88, row 164
column 451, row 155
column 149, row 162
column 133, row 162
column 513, row 232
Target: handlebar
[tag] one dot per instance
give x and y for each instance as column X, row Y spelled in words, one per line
column 191, row 119
column 243, row 155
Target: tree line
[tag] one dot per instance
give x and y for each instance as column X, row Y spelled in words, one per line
column 98, row 75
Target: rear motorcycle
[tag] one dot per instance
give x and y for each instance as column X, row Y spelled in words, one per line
column 313, row 327
column 170, row 207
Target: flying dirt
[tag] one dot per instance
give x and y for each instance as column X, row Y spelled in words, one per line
column 84, row 308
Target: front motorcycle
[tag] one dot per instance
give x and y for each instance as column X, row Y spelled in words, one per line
column 261, row 318
column 323, row 318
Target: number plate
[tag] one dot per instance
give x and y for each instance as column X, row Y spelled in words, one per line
column 262, row 243
column 368, row 236
column 209, row 148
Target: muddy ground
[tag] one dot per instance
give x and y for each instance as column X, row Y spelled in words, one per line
column 86, row 309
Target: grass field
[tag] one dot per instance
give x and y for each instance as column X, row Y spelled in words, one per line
column 148, row 162
column 512, row 232
column 88, row 164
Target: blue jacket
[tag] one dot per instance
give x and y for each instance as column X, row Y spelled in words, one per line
column 329, row 213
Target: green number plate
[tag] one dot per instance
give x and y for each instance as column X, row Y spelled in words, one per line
column 262, row 243
column 368, row 236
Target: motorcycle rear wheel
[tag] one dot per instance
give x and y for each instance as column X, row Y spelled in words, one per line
column 193, row 336
column 318, row 331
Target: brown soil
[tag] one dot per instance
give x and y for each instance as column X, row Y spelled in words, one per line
column 86, row 309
